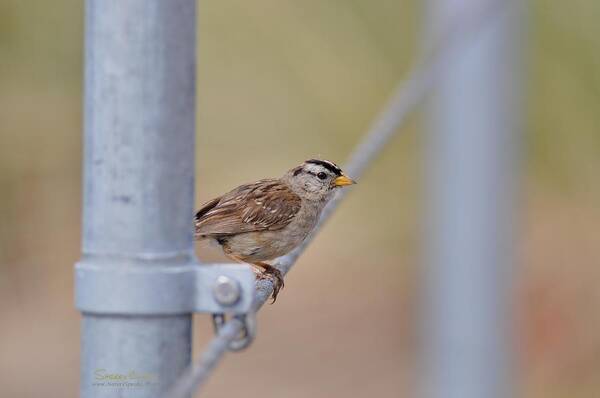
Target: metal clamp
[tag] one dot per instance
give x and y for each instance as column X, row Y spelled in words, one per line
column 163, row 288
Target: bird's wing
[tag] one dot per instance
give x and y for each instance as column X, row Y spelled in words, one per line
column 263, row 205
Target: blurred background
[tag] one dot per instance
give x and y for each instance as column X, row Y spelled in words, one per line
column 279, row 82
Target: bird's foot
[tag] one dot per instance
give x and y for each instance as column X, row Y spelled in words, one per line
column 274, row 275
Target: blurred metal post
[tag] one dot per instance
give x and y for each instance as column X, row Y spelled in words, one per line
column 139, row 185
column 473, row 123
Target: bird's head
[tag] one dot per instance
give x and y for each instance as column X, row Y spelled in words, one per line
column 317, row 179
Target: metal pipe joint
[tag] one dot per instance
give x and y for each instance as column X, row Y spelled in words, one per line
column 163, row 289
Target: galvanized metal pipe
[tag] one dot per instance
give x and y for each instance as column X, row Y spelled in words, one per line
column 138, row 183
column 473, row 128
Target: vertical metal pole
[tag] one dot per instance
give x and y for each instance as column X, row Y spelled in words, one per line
column 139, row 185
column 472, row 157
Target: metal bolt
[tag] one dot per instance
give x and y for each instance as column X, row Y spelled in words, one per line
column 227, row 291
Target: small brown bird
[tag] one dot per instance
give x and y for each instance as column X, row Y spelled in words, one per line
column 261, row 221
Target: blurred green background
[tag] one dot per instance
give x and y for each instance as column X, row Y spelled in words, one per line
column 279, row 82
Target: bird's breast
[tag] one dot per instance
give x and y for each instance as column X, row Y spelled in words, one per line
column 268, row 245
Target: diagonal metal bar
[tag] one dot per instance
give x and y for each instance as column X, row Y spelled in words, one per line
column 406, row 98
column 399, row 108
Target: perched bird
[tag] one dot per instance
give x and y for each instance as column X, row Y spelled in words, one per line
column 266, row 219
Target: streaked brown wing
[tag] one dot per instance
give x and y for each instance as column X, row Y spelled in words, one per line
column 263, row 205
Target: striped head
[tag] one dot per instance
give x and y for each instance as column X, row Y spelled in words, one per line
column 316, row 179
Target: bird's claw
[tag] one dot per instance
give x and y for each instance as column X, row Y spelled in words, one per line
column 278, row 283
column 276, row 278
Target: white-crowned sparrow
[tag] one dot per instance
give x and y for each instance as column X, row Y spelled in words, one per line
column 261, row 221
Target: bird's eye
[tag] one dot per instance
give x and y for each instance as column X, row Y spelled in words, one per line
column 322, row 176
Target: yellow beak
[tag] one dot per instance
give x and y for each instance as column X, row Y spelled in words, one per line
column 343, row 180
